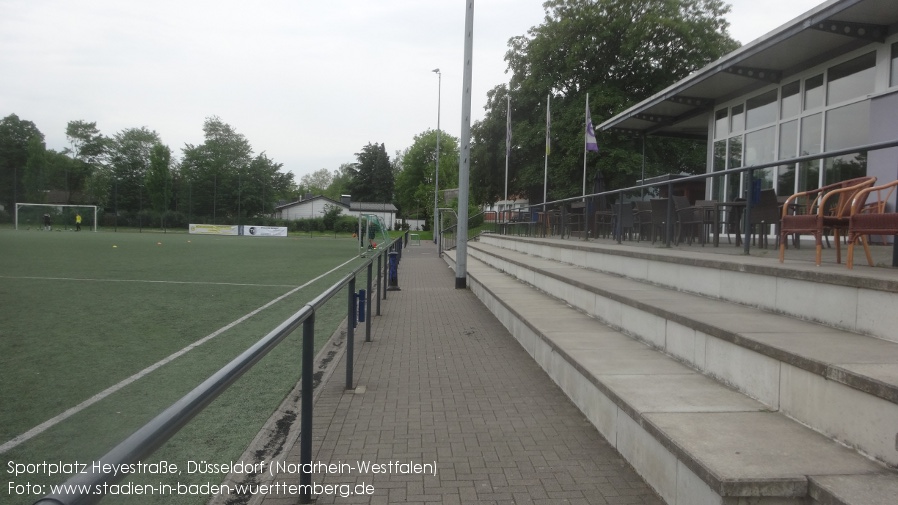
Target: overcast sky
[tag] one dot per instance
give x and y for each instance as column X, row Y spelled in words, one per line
column 309, row 83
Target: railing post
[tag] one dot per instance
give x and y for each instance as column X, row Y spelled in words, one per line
column 393, row 278
column 368, row 302
column 379, row 283
column 386, row 267
column 895, row 241
column 305, row 442
column 350, row 332
column 746, row 219
column 670, row 213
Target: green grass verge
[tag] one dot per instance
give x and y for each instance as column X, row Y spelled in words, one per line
column 80, row 315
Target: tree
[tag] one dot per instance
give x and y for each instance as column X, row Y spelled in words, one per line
column 225, row 182
column 415, row 182
column 340, row 183
column 34, row 179
column 372, row 177
column 331, row 214
column 129, row 157
column 263, row 185
column 215, row 168
column 317, row 182
column 88, row 144
column 159, row 179
column 618, row 51
column 88, row 152
column 15, row 135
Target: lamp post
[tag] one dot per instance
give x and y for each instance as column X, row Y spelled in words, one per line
column 436, row 181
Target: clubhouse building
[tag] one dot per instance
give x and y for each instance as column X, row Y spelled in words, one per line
column 826, row 81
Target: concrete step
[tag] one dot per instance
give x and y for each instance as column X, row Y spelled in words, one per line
column 695, row 440
column 839, row 383
column 861, row 300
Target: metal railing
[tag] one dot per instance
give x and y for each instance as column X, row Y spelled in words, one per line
column 449, row 234
column 529, row 224
column 164, row 426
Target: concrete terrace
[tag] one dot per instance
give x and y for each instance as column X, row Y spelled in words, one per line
column 593, row 372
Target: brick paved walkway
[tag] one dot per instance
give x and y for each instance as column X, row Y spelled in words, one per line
column 446, row 384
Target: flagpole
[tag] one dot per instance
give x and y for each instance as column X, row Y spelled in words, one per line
column 585, row 120
column 507, row 145
column 546, row 169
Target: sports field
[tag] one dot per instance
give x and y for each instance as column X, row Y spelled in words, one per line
column 96, row 332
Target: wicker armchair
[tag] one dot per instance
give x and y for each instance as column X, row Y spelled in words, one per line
column 871, row 218
column 828, row 208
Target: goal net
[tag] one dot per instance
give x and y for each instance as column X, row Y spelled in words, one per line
column 372, row 233
column 50, row 216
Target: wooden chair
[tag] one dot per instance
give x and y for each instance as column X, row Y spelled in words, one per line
column 829, row 208
column 871, row 218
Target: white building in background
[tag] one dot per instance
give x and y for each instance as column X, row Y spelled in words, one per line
column 825, row 81
column 310, row 207
column 385, row 211
column 316, row 206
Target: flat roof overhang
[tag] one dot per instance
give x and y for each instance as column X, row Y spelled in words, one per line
column 831, row 29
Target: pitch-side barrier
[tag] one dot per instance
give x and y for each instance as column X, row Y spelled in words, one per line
column 143, row 442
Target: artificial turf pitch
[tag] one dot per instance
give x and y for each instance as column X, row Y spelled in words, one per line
column 82, row 311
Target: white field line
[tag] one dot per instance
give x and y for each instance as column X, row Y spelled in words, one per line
column 145, row 281
column 37, row 430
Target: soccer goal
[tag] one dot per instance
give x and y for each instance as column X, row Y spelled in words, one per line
column 51, row 216
column 371, row 230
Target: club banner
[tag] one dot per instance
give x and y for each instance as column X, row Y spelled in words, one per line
column 213, row 229
column 264, row 231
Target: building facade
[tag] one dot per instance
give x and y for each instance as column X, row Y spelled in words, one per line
column 826, row 81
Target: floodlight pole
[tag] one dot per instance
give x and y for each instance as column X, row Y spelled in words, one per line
column 436, row 179
column 464, row 161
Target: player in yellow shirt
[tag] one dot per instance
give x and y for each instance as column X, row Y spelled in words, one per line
column 77, row 221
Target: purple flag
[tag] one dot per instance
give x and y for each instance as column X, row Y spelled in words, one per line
column 591, row 144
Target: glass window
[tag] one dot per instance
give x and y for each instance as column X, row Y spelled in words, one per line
column 846, row 127
column 894, row 74
column 808, row 175
column 811, row 128
column 809, row 171
column 788, row 140
column 851, row 79
column 720, row 124
column 720, row 155
column 720, row 161
column 813, row 92
column 785, row 180
column 734, row 161
column 737, row 119
column 760, row 146
column 842, row 168
column 791, row 102
column 788, row 148
column 761, row 110
column 734, row 152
